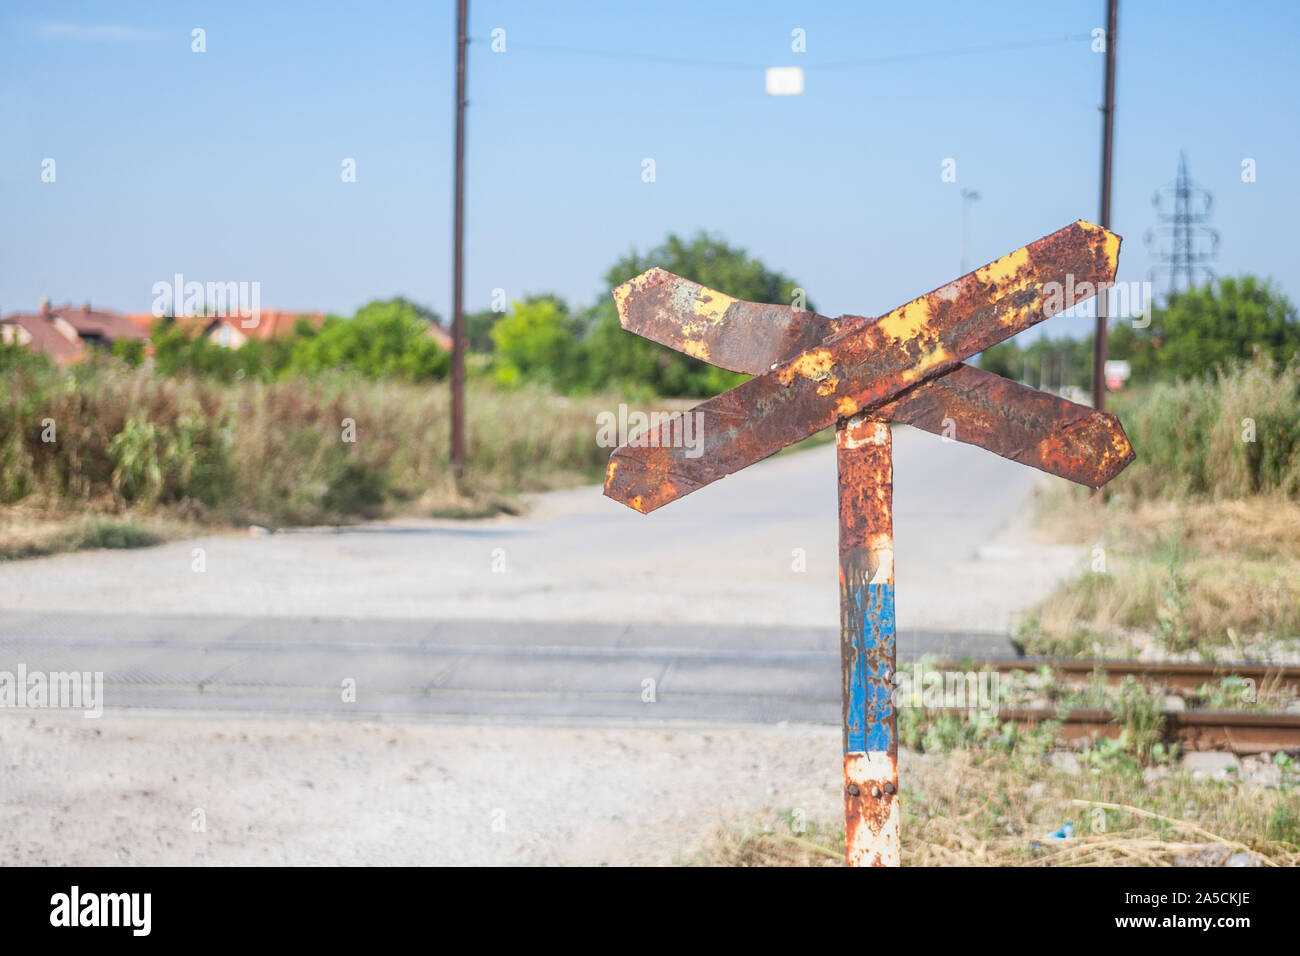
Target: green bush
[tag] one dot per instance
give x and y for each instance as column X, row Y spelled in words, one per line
column 1229, row 434
column 383, row 340
column 537, row 341
column 19, row 358
column 137, row 452
column 180, row 351
column 130, row 351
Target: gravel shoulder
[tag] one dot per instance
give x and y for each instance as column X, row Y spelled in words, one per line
column 124, row 790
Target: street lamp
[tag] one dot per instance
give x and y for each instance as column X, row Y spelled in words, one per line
column 968, row 196
column 783, row 80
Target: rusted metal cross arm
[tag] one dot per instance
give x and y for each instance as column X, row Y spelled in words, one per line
column 967, row 404
column 864, row 365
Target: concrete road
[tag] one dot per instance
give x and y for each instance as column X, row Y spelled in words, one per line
column 723, row 606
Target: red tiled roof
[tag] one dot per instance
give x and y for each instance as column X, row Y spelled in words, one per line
column 47, row 339
column 97, row 323
column 108, row 327
column 270, row 324
column 439, row 335
column 142, row 320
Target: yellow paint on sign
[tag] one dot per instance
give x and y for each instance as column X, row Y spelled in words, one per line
column 1111, row 247
column 928, row 361
column 695, row 349
column 907, row 321
column 712, row 305
column 814, row 366
column 621, row 293
column 1004, row 270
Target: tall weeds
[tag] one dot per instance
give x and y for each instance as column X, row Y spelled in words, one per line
column 275, row 452
column 1232, row 434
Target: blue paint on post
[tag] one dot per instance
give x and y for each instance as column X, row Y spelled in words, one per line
column 855, row 740
column 871, row 702
column 879, row 679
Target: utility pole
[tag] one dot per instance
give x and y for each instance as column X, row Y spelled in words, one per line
column 458, row 261
column 1107, row 149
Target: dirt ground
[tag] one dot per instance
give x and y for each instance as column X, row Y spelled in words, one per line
column 167, row 789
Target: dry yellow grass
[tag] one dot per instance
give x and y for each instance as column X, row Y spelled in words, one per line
column 974, row 808
column 1181, row 577
column 1263, row 525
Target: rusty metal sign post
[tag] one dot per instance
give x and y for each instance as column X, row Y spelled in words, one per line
column 860, row 374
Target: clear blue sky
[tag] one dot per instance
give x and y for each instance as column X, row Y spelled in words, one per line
column 226, row 165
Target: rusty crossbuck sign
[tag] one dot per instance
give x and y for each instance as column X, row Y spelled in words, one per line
column 861, row 374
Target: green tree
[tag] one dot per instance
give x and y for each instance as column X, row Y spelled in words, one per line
column 1202, row 328
column 1135, row 347
column 1003, row 359
column 614, row 356
column 175, row 351
column 537, row 340
column 478, row 329
column 386, row 338
column 130, row 351
column 420, row 311
column 1043, row 363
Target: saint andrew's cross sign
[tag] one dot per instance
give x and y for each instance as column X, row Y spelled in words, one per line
column 861, row 374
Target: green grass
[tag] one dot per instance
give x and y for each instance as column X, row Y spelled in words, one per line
column 108, row 533
column 1232, row 434
column 34, row 541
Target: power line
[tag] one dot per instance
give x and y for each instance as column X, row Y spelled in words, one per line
column 955, row 51
column 839, row 65
column 627, row 55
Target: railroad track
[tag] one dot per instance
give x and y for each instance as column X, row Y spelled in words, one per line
column 1173, row 674
column 1242, row 732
